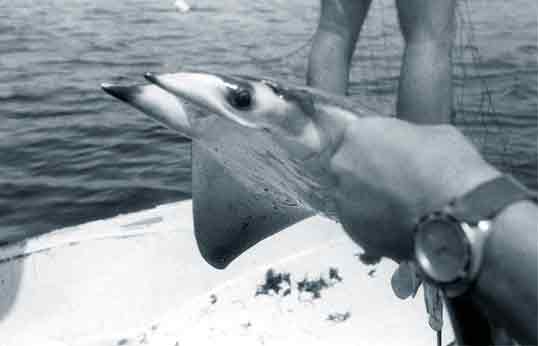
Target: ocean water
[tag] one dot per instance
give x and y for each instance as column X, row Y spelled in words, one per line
column 69, row 153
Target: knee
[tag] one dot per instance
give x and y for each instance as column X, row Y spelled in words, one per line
column 337, row 18
column 430, row 31
column 425, row 34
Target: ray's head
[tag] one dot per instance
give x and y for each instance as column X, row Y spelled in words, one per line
column 259, row 104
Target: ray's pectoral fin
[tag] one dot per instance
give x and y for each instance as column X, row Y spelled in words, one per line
column 228, row 218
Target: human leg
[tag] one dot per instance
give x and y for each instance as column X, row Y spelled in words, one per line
column 334, row 42
column 425, row 88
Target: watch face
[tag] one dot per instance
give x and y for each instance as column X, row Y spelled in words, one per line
column 442, row 249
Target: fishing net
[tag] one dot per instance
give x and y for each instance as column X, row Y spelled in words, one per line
column 505, row 138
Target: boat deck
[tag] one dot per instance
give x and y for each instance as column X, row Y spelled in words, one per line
column 139, row 279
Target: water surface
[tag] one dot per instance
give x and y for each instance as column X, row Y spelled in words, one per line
column 70, row 153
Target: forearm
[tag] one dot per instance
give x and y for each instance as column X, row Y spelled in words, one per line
column 507, row 284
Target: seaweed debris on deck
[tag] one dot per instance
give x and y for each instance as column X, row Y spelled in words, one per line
column 280, row 284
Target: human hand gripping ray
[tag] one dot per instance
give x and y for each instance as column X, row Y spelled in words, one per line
column 267, row 154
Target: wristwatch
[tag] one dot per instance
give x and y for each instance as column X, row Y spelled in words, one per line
column 449, row 243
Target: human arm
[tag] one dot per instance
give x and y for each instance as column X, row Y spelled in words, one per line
column 390, row 173
column 507, row 285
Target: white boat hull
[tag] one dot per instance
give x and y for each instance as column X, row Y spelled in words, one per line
column 139, row 278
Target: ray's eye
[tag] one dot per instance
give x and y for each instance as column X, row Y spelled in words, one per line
column 241, row 99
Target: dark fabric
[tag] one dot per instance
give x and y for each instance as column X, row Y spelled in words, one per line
column 471, row 327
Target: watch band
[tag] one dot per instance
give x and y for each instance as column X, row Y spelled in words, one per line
column 475, row 210
column 489, row 198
